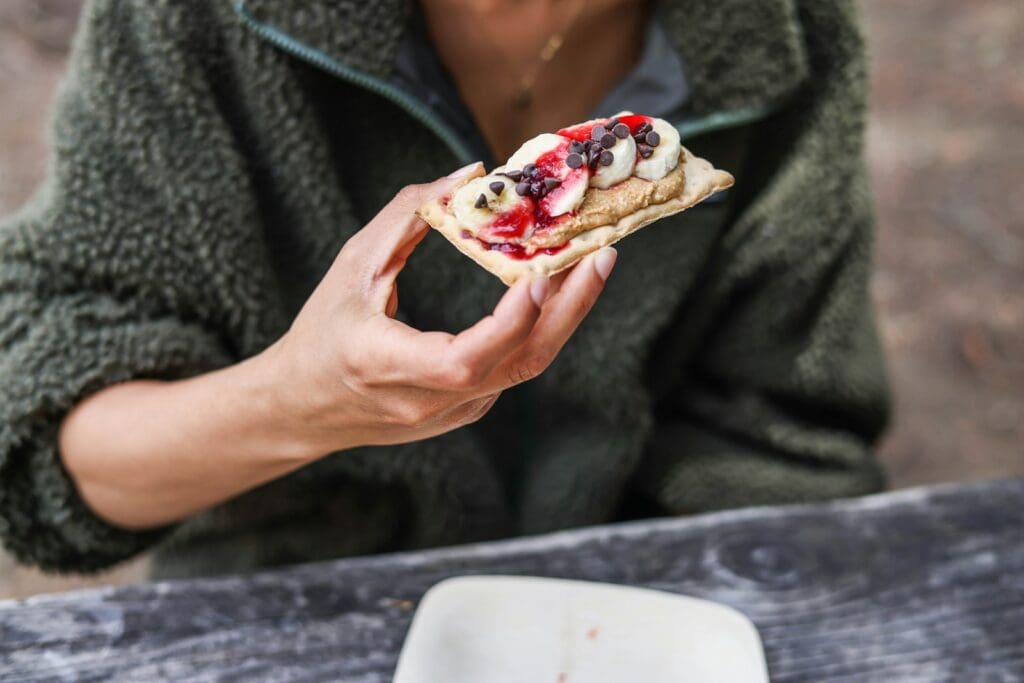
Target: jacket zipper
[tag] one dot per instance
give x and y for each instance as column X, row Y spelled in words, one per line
column 688, row 128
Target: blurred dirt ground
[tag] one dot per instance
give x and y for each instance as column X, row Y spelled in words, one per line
column 946, row 148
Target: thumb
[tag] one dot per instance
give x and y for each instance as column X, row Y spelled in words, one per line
column 385, row 243
column 417, row 195
column 396, row 224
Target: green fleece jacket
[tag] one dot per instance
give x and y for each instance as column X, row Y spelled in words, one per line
column 209, row 160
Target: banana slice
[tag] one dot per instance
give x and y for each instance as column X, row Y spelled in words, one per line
column 476, row 204
column 533, row 149
column 568, row 196
column 547, row 177
column 622, row 163
column 581, row 131
column 663, row 156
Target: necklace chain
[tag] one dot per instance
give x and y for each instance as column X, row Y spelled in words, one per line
column 524, row 93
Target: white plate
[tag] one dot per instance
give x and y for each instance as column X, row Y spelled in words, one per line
column 503, row 629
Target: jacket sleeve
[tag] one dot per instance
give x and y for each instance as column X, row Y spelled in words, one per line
column 111, row 271
column 784, row 393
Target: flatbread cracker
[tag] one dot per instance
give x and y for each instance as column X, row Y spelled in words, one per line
column 702, row 181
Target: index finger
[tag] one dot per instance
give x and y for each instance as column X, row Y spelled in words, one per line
column 562, row 314
column 438, row 360
column 478, row 350
column 395, row 225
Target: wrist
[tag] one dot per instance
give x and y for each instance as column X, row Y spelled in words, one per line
column 278, row 415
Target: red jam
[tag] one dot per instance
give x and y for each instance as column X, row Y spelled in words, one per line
column 518, row 251
column 529, row 214
column 552, row 163
column 543, row 220
column 515, row 223
column 633, row 121
column 582, row 132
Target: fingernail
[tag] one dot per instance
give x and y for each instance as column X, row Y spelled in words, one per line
column 539, row 291
column 605, row 261
column 464, row 171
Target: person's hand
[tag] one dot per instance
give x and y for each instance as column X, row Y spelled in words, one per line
column 349, row 374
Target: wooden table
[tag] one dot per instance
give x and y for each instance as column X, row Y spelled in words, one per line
column 920, row 585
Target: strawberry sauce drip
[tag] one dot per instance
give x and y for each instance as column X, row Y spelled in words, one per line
column 515, row 223
column 530, row 214
column 582, row 133
column 550, row 163
column 633, row 121
column 518, row 251
column 578, row 133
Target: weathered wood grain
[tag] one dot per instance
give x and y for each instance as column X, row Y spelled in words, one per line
column 924, row 585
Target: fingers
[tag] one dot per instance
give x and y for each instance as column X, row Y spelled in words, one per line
column 475, row 352
column 376, row 254
column 392, row 308
column 470, row 411
column 378, row 278
column 444, row 362
column 396, row 226
column 514, row 344
column 561, row 315
column 577, row 295
column 557, row 279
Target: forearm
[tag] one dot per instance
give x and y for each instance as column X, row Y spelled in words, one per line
column 346, row 374
column 148, row 453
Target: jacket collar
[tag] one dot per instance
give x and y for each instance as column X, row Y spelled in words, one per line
column 740, row 55
column 364, row 34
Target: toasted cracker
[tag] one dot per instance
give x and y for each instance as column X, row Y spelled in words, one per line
column 702, row 181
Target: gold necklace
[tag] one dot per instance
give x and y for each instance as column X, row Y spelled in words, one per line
column 523, row 98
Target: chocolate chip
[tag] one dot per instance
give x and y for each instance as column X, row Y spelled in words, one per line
column 529, row 169
column 577, row 146
column 574, row 160
column 497, row 187
column 606, row 158
column 551, row 183
column 611, row 124
column 523, row 188
column 652, row 139
column 481, row 202
column 593, row 155
column 515, row 176
column 644, row 128
column 621, row 131
column 537, row 189
column 597, row 132
column 644, row 150
column 607, row 140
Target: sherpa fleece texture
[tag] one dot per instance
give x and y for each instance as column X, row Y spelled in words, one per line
column 202, row 180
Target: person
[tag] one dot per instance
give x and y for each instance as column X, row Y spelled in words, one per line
column 224, row 334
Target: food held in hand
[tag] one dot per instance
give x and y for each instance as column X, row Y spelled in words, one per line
column 564, row 195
